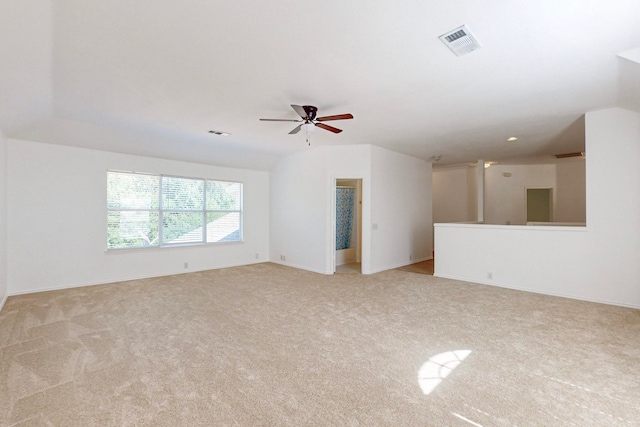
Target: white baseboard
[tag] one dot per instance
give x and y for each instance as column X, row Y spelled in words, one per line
column 121, row 279
column 552, row 294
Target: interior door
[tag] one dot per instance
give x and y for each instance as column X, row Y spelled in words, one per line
column 539, row 204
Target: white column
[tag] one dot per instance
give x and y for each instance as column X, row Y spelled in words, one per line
column 480, row 190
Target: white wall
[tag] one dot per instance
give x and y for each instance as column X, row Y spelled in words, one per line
column 3, row 219
column 298, row 210
column 401, row 209
column 57, row 219
column 505, row 196
column 571, row 191
column 598, row 262
column 454, row 194
column 396, row 196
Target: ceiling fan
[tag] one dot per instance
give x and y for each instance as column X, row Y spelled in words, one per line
column 307, row 115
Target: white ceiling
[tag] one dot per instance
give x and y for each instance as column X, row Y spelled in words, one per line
column 152, row 77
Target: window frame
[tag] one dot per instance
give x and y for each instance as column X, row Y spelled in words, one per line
column 161, row 211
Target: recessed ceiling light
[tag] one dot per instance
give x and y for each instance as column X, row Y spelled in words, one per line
column 512, row 139
column 217, row 132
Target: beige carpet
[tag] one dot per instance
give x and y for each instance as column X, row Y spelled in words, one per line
column 267, row 345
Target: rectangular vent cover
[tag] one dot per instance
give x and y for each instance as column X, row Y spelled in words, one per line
column 460, row 41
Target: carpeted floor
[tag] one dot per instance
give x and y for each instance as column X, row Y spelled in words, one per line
column 267, row 345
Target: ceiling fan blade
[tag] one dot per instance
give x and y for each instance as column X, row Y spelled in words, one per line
column 336, row 117
column 300, row 110
column 296, row 130
column 279, row 120
column 329, row 128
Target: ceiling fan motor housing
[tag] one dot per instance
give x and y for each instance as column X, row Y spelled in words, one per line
column 311, row 111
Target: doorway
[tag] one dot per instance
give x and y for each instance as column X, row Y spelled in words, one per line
column 348, row 226
column 539, row 205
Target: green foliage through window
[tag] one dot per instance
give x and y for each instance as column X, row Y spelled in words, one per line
column 145, row 210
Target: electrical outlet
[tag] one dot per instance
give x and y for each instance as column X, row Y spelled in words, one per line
column 257, row 256
column 410, row 257
column 186, row 265
column 490, row 275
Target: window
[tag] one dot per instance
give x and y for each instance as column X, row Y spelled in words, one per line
column 145, row 210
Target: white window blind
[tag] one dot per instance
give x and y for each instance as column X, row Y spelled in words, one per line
column 224, row 208
column 158, row 210
column 182, row 210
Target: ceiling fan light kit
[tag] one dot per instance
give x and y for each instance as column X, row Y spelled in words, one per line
column 309, row 120
column 309, row 128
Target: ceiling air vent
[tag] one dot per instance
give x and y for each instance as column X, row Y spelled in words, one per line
column 460, row 41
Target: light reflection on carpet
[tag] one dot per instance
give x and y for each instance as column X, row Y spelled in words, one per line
column 438, row 367
column 465, row 419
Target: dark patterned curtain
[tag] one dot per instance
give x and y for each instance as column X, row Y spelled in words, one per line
column 344, row 216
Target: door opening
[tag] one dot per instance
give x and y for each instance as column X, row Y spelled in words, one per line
column 348, row 226
column 539, row 205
